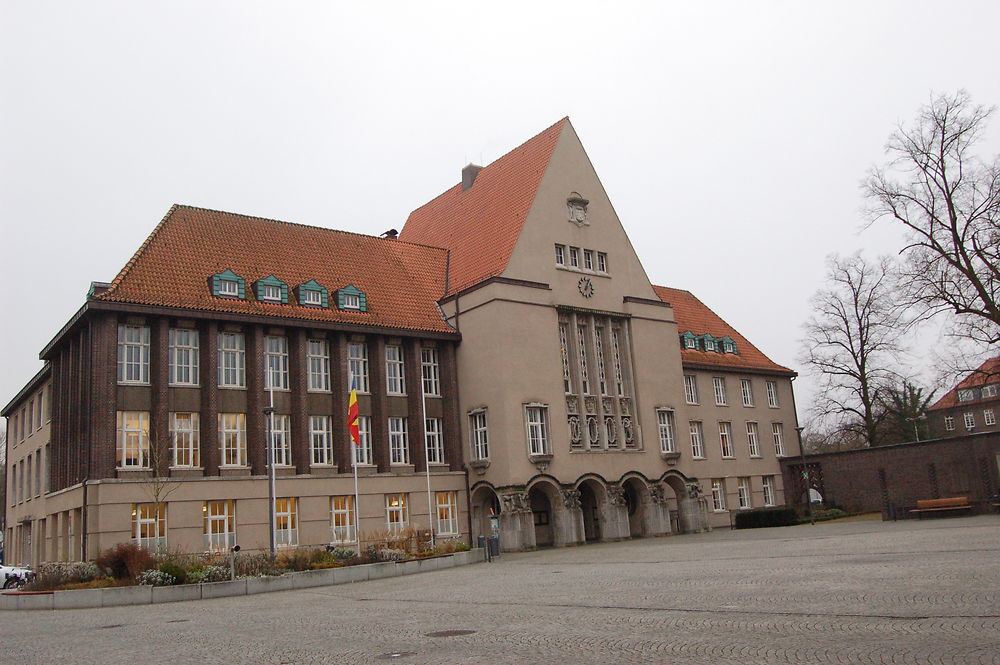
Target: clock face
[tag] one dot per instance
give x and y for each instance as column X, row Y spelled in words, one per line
column 586, row 287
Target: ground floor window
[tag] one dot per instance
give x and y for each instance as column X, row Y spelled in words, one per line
column 447, row 512
column 397, row 515
column 219, row 525
column 149, row 525
column 343, row 521
column 768, row 490
column 718, row 494
column 286, row 522
column 743, row 493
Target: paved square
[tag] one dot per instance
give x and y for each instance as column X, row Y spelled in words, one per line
column 841, row 592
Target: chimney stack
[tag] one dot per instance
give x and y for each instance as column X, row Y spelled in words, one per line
column 469, row 174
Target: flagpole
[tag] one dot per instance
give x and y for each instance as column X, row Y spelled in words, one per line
column 357, row 497
column 270, row 469
column 354, row 434
column 427, row 460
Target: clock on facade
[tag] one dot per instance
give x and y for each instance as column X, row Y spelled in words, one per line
column 586, row 287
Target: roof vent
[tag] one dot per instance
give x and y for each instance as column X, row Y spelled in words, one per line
column 390, row 234
column 469, row 174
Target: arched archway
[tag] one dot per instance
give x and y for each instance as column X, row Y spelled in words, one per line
column 543, row 499
column 593, row 505
column 484, row 504
column 685, row 509
column 636, row 505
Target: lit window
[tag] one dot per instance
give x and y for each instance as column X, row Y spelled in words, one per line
column 286, row 522
column 726, row 438
column 743, row 493
column 772, row 393
column 697, row 439
column 746, row 388
column 479, row 435
column 399, row 449
column 281, row 440
column 753, row 439
column 233, row 439
column 397, row 516
column 185, row 435
column 435, row 445
column 718, row 495
column 394, row 374
column 777, row 434
column 602, row 262
column 970, row 420
column 665, row 429
column 270, row 292
column 183, row 360
column 343, row 519
column 149, row 525
column 536, row 420
column 133, row 354
column 362, row 453
column 719, row 384
column 357, row 366
column 989, row 418
column 276, row 363
column 588, row 259
column 430, row 372
column 690, row 389
column 768, row 490
column 318, row 359
column 232, row 361
column 560, row 255
column 574, row 257
column 133, row 439
column 320, row 443
column 219, row 529
column 949, row 423
column 447, row 513
column 229, row 288
column 314, row 298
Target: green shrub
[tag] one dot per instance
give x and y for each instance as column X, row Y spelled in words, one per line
column 343, row 553
column 175, row 571
column 125, row 561
column 154, row 577
column 56, row 575
column 766, row 517
column 208, row 574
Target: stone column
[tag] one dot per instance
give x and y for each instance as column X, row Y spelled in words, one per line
column 617, row 514
column 515, row 534
column 657, row 516
column 572, row 519
column 689, row 510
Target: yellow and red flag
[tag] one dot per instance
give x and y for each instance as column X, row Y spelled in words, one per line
column 352, row 417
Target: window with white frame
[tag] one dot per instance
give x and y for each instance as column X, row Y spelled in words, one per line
column 343, row 520
column 399, row 448
column 479, row 435
column 233, row 439
column 447, row 513
column 697, row 439
column 560, row 255
column 726, row 438
column 970, row 420
column 362, row 452
column 270, row 292
column 564, row 356
column 536, row 419
column 311, row 297
column 990, row 390
column 988, row 417
column 281, row 439
column 219, row 525
column 602, row 262
column 357, row 366
column 183, row 357
column 777, row 433
column 185, row 434
column 949, row 423
column 276, row 363
column 352, row 301
column 581, row 347
column 746, row 389
column 768, row 490
column 665, row 429
column 133, row 354
column 149, row 525
column 743, row 493
column 772, row 393
column 229, row 288
column 286, row 522
column 690, row 389
column 397, row 515
column 574, row 257
column 232, row 361
column 588, row 259
column 318, row 360
column 133, row 440
column 719, row 385
column 966, row 395
column 435, row 444
column 395, row 380
column 430, row 372
column 320, row 441
column 718, row 495
column 753, row 439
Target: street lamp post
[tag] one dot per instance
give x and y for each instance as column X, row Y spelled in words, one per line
column 805, row 476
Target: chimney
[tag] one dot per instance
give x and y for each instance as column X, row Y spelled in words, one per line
column 390, row 234
column 469, row 174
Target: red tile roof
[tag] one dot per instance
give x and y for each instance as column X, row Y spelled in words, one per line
column 693, row 315
column 172, row 268
column 480, row 225
column 988, row 372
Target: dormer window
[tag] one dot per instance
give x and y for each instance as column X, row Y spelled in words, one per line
column 314, row 298
column 965, row 395
column 689, row 341
column 229, row 288
column 227, row 284
column 728, row 345
column 352, row 301
column 271, row 289
column 271, row 293
column 710, row 345
column 312, row 294
column 352, row 298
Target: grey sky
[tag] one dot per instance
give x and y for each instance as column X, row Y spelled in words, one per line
column 731, row 137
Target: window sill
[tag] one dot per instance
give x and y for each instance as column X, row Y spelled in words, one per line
column 756, row 457
column 583, row 271
column 696, row 458
column 184, row 385
column 318, row 391
column 232, row 387
column 133, row 383
column 730, row 457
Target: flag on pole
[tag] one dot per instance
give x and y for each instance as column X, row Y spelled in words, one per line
column 352, row 417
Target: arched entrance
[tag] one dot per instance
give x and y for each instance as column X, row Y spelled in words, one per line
column 685, row 509
column 542, row 499
column 636, row 499
column 593, row 498
column 485, row 504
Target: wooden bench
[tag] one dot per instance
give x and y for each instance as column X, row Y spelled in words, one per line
column 951, row 504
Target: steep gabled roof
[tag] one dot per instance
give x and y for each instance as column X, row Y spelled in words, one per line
column 479, row 226
column 988, row 372
column 172, row 268
column 693, row 315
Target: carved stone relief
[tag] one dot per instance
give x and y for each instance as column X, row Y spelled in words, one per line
column 575, row 431
column 571, row 498
column 576, row 208
column 572, row 404
column 656, row 494
column 590, row 402
column 616, row 496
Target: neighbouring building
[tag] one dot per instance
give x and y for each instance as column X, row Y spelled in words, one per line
column 971, row 406
column 509, row 342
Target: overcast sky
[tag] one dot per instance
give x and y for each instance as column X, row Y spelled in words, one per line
column 731, row 137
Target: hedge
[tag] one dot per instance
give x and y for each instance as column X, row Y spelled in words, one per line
column 764, row 517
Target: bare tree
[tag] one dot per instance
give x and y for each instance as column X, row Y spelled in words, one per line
column 852, row 342
column 948, row 199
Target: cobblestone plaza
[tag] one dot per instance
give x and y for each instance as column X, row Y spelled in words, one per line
column 840, row 592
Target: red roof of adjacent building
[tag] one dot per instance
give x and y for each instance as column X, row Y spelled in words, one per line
column 988, row 372
column 172, row 268
column 693, row 315
column 480, row 225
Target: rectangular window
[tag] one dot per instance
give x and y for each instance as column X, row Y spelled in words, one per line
column 665, row 428
column 447, row 513
column 690, row 389
column 599, row 350
column 352, row 301
column 229, row 288
column 233, row 439
column 697, row 439
column 395, row 379
column 397, row 516
column 753, row 439
column 149, row 525
column 970, row 420
column 574, row 257
column 435, row 444
column 990, row 391
column 536, row 419
column 276, row 363
column 743, row 493
column 602, row 262
column 232, row 361
column 286, row 522
column 430, row 372
column 778, row 435
column 718, row 495
column 989, row 418
column 219, row 529
column 581, row 347
column 310, row 297
column 746, row 388
column 271, row 293
column 479, row 435
column 399, row 448
column 28, row 478
column 318, row 360
column 133, row 354
column 320, row 441
column 183, row 357
column 564, row 355
column 772, row 393
column 768, row 490
column 560, row 255
column 588, row 259
column 726, row 437
column 281, row 440
column 363, row 451
column 31, row 416
column 719, row 385
column 185, row 434
column 38, row 471
column 949, row 423
column 966, row 395
column 133, row 440
column 616, row 347
column 343, row 520
column 357, row 366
